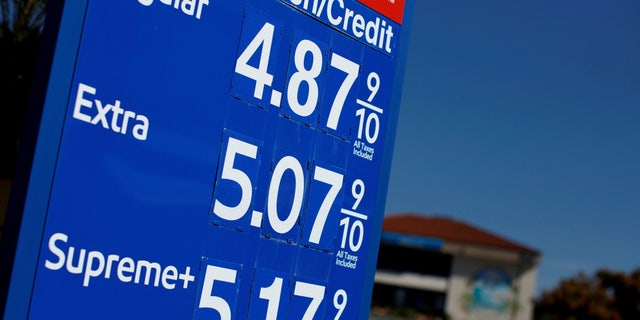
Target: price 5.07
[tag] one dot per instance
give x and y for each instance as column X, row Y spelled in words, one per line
column 232, row 208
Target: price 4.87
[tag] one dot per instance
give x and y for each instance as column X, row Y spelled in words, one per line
column 303, row 83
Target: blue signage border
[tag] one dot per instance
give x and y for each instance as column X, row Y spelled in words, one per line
column 36, row 199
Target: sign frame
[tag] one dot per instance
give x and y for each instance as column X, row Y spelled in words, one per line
column 29, row 209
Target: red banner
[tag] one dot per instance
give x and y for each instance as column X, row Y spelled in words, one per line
column 392, row 9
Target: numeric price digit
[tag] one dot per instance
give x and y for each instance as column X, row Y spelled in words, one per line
column 210, row 301
column 292, row 164
column 357, row 190
column 229, row 172
column 353, row 231
column 287, row 165
column 304, row 75
column 373, row 83
column 303, row 85
column 373, row 123
column 333, row 179
column 262, row 41
column 356, row 229
column 351, row 69
column 272, row 295
column 339, row 302
column 313, row 291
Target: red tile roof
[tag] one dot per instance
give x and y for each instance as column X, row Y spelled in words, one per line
column 448, row 230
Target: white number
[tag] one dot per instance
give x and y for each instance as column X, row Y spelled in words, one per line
column 357, row 190
column 305, row 75
column 344, row 223
column 340, row 305
column 263, row 39
column 308, row 290
column 272, row 294
column 286, row 163
column 335, row 180
column 305, row 106
column 234, row 147
column 373, row 122
column 207, row 300
column 354, row 244
column 237, row 148
column 373, row 87
column 352, row 69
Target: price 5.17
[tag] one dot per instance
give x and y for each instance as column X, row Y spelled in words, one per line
column 271, row 292
column 302, row 89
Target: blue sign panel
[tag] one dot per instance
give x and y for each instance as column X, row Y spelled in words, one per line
column 220, row 159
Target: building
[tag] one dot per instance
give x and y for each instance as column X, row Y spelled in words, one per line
column 451, row 269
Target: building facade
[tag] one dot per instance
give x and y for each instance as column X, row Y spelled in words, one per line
column 449, row 269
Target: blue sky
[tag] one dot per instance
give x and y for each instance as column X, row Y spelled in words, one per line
column 523, row 118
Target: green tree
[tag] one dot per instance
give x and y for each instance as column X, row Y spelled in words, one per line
column 606, row 295
column 626, row 290
column 21, row 24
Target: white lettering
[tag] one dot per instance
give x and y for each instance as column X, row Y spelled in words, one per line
column 90, row 271
column 358, row 26
column 368, row 28
column 381, row 41
column 97, row 266
column 56, row 251
column 186, row 277
column 148, row 266
column 116, row 112
column 347, row 14
column 110, row 260
column 102, row 114
column 140, row 130
column 169, row 273
column 201, row 3
column 109, row 115
column 389, row 34
column 125, row 265
column 81, row 102
column 334, row 21
column 125, row 122
column 78, row 268
column 187, row 7
column 372, row 27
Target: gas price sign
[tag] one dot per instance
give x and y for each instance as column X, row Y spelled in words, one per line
column 216, row 159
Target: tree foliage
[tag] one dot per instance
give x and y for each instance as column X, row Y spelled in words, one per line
column 607, row 295
column 21, row 24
